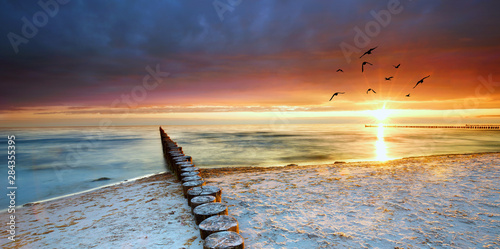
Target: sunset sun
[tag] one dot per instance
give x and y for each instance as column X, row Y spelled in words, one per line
column 381, row 114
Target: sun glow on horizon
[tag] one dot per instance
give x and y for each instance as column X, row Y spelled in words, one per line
column 382, row 114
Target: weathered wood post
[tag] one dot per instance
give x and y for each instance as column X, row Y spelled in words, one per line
column 189, row 169
column 185, row 165
column 182, row 165
column 218, row 223
column 178, row 160
column 204, row 190
column 204, row 211
column 171, row 161
column 191, row 178
column 226, row 240
column 200, row 200
column 191, row 173
column 171, row 152
column 184, row 158
column 191, row 184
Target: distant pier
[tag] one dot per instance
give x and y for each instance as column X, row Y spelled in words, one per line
column 467, row 126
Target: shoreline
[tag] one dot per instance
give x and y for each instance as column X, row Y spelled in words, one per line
column 346, row 162
column 28, row 204
column 342, row 161
column 122, row 215
column 238, row 169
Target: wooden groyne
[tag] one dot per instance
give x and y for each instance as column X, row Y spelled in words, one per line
column 467, row 126
column 217, row 228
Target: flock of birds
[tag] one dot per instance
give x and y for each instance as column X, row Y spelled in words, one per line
column 369, row 52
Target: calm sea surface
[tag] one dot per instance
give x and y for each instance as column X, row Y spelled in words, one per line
column 52, row 162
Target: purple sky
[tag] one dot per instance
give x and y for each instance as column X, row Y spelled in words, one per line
column 264, row 53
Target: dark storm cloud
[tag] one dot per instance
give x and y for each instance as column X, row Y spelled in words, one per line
column 92, row 51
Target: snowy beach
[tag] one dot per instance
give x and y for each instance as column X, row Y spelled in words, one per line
column 448, row 201
column 146, row 213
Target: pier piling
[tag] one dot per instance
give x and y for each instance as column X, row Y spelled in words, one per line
column 219, row 229
column 467, row 126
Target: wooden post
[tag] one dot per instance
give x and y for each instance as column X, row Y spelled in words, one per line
column 199, row 200
column 226, row 240
column 174, row 153
column 191, row 178
column 185, row 165
column 188, row 185
column 183, row 158
column 204, row 211
column 170, row 160
column 178, row 160
column 218, row 223
column 182, row 169
column 191, row 173
column 189, row 169
column 185, row 169
column 204, row 190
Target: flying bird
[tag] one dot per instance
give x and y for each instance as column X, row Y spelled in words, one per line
column 389, row 78
column 397, row 65
column 408, row 95
column 369, row 51
column 370, row 90
column 340, row 70
column 335, row 94
column 363, row 65
column 421, row 81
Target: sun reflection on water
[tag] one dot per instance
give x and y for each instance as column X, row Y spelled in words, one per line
column 380, row 146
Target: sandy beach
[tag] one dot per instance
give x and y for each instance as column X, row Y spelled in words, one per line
column 146, row 213
column 448, row 201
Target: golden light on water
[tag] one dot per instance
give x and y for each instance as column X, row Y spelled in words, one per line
column 380, row 146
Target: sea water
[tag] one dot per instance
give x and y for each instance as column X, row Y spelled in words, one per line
column 52, row 162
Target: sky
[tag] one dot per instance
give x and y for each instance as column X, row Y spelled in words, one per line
column 70, row 62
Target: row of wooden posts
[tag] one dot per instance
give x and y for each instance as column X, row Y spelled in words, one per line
column 217, row 228
column 467, row 126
